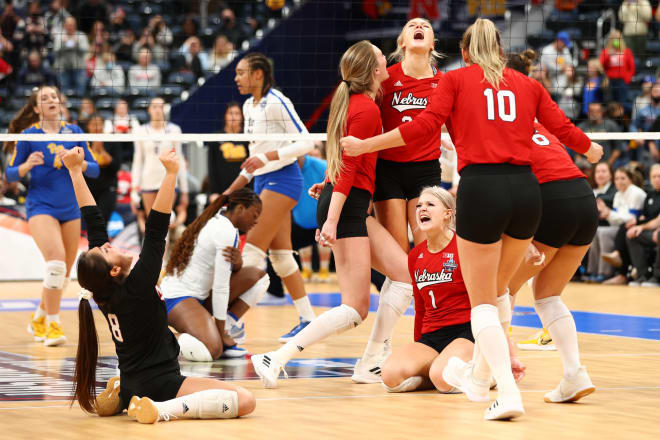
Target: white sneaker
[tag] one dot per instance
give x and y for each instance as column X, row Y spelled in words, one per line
column 236, row 328
column 502, row 409
column 367, row 370
column 573, row 389
column 268, row 367
column 458, row 374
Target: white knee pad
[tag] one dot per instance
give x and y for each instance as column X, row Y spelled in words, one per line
column 283, row 262
column 254, row 257
column 252, row 296
column 551, row 309
column 482, row 317
column 504, row 308
column 409, row 384
column 193, row 349
column 397, row 295
column 218, row 404
column 55, row 274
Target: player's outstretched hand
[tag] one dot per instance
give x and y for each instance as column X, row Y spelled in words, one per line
column 352, row 146
column 170, row 161
column 73, row 158
column 594, row 153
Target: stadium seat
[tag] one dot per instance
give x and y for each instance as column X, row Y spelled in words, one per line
column 16, row 103
column 105, row 103
column 106, row 114
column 140, row 115
column 136, row 92
column 170, row 92
column 140, row 103
column 185, row 79
column 73, row 103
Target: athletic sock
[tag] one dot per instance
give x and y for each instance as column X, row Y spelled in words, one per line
column 493, row 346
column 39, row 313
column 53, row 318
column 395, row 298
column 207, row 404
column 557, row 319
column 504, row 311
column 333, row 321
column 304, row 308
column 512, row 299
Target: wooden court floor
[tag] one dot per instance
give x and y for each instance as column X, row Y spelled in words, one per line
column 626, row 372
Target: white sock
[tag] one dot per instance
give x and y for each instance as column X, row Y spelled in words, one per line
column 512, row 299
column 193, row 349
column 304, row 308
column 333, row 321
column 39, row 313
column 53, row 318
column 487, row 332
column 481, row 370
column 207, row 404
column 557, row 319
column 395, row 298
column 504, row 311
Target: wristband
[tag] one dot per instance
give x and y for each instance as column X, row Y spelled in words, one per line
column 135, row 197
column 246, row 174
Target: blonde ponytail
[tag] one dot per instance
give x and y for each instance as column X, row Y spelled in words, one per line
column 357, row 67
column 482, row 42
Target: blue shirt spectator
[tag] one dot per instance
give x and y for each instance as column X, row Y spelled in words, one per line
column 313, row 171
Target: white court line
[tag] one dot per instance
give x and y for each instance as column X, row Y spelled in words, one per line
column 365, row 396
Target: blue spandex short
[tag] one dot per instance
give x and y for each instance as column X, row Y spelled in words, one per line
column 62, row 215
column 171, row 302
column 287, row 181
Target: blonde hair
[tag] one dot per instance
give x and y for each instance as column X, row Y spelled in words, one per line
column 445, row 198
column 400, row 54
column 357, row 68
column 616, row 35
column 482, row 42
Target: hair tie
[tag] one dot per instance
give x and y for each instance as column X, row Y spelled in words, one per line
column 348, row 83
column 84, row 294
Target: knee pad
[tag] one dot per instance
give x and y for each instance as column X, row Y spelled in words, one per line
column 55, row 274
column 254, row 257
column 551, row 309
column 210, row 407
column 252, row 296
column 397, row 295
column 193, row 349
column 504, row 308
column 409, row 384
column 482, row 317
column 283, row 262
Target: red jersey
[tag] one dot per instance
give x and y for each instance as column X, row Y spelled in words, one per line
column 441, row 297
column 618, row 65
column 550, row 160
column 488, row 125
column 405, row 97
column 362, row 121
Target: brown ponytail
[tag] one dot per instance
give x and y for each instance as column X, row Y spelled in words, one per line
column 184, row 248
column 522, row 61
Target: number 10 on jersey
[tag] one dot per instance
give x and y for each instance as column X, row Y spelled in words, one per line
column 502, row 106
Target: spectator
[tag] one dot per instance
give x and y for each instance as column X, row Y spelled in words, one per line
column 222, row 54
column 8, row 23
column 87, row 109
column 98, row 35
column 160, row 31
column 540, row 74
column 619, row 65
column 193, row 58
column 91, row 11
column 646, row 116
column 70, row 49
column 108, row 156
column 644, row 98
column 148, row 41
column 602, row 185
column 616, row 112
column 108, row 74
column 144, row 74
column 635, row 16
column 122, row 122
column 231, row 28
column 93, row 58
column 31, row 33
column 117, row 25
column 55, row 18
column 596, row 87
column 628, row 201
column 635, row 238
column 596, row 123
column 568, row 92
column 555, row 57
column 189, row 29
column 124, row 49
column 35, row 73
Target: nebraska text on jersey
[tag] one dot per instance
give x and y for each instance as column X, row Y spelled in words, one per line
column 409, row 102
column 430, row 278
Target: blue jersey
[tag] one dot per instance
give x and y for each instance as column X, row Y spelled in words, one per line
column 313, row 171
column 50, row 191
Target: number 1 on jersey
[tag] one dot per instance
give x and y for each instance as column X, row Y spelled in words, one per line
column 432, row 299
column 509, row 116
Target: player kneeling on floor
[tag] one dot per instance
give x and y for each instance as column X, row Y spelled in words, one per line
column 205, row 276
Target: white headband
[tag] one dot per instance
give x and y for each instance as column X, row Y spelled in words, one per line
column 84, row 294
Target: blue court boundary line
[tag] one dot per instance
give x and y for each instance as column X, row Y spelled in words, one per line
column 630, row 326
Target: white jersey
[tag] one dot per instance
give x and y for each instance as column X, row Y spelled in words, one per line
column 147, row 171
column 207, row 270
column 274, row 113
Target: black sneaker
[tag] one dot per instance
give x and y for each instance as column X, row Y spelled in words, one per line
column 651, row 282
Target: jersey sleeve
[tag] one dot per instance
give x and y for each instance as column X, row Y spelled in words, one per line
column 20, row 155
column 144, row 275
column 97, row 234
column 93, row 170
column 362, row 125
column 430, row 121
column 291, row 123
column 222, row 270
column 419, row 303
column 551, row 116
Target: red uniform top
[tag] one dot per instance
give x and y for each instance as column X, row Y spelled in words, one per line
column 488, row 125
column 441, row 297
column 362, row 121
column 405, row 97
column 618, row 65
column 550, row 160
